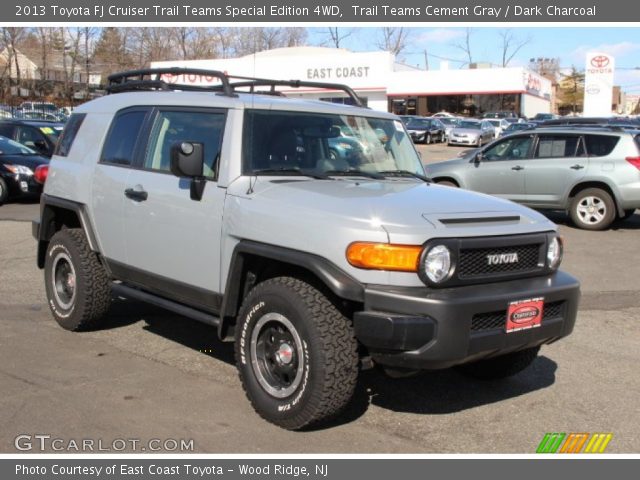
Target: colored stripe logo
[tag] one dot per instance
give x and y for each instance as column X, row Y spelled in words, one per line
column 574, row 443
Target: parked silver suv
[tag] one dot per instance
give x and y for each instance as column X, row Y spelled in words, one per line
column 593, row 173
column 224, row 205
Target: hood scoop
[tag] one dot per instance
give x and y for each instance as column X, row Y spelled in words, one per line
column 456, row 220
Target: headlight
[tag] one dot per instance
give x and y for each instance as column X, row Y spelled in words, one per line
column 346, row 146
column 554, row 253
column 19, row 169
column 437, row 263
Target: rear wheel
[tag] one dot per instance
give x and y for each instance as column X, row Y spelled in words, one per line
column 500, row 367
column 295, row 352
column 4, row 191
column 593, row 209
column 427, row 138
column 77, row 285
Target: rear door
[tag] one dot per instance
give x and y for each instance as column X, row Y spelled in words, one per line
column 501, row 170
column 558, row 163
column 172, row 241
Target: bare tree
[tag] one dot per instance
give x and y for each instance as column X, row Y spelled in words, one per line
column 11, row 37
column 336, row 35
column 465, row 45
column 393, row 39
column 511, row 45
column 88, row 34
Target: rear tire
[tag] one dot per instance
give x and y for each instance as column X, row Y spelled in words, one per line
column 593, row 209
column 4, row 191
column 296, row 353
column 504, row 366
column 77, row 285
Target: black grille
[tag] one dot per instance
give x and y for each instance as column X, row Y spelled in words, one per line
column 474, row 262
column 495, row 320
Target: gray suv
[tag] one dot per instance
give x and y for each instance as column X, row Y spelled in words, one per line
column 224, row 205
column 593, row 173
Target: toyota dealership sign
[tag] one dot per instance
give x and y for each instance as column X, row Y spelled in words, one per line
column 598, row 84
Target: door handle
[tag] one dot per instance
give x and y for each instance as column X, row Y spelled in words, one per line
column 577, row 166
column 136, row 195
column 517, row 167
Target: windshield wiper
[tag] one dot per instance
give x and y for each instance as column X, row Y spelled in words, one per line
column 290, row 171
column 405, row 173
column 354, row 173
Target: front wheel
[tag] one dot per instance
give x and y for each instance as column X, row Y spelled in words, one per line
column 504, row 366
column 593, row 209
column 4, row 191
column 296, row 353
column 427, row 139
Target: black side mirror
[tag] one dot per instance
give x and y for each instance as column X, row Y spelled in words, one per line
column 477, row 158
column 187, row 160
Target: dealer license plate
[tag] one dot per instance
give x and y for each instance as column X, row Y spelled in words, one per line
column 524, row 314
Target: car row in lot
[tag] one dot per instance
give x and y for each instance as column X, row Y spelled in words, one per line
column 593, row 172
column 38, row 135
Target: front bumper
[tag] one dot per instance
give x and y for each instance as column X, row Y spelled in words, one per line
column 463, row 141
column 421, row 328
column 22, row 185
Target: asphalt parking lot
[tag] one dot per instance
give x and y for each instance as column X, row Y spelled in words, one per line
column 151, row 375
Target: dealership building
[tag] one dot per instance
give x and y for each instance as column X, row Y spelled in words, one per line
column 385, row 84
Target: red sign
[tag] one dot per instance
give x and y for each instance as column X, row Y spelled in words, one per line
column 524, row 314
column 600, row 61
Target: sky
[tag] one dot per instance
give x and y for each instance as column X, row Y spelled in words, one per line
column 569, row 44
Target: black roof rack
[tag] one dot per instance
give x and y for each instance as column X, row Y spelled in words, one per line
column 151, row 79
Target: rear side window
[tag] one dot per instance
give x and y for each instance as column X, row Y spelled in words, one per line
column 6, row 131
column 558, row 146
column 600, row 145
column 120, row 145
column 69, row 134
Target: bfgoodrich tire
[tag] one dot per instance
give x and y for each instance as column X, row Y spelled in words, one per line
column 77, row 286
column 295, row 352
column 593, row 209
column 500, row 367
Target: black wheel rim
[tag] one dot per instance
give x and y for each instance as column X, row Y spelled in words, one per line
column 276, row 355
column 64, row 280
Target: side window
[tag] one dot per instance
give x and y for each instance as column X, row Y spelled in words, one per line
column 556, row 146
column 69, row 134
column 6, row 131
column 29, row 136
column 600, row 145
column 171, row 127
column 512, row 148
column 121, row 141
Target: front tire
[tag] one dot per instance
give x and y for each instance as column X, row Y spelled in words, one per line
column 427, row 139
column 500, row 367
column 593, row 209
column 77, row 285
column 296, row 353
column 4, row 191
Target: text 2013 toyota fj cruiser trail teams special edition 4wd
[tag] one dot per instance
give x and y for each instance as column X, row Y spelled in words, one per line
column 229, row 204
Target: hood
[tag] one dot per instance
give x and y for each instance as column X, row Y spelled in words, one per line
column 31, row 161
column 407, row 211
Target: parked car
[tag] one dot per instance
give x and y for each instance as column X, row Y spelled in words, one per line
column 502, row 114
column 46, row 107
column 17, row 170
column 426, row 130
column 443, row 115
column 499, row 125
column 472, row 132
column 39, row 135
column 517, row 127
column 449, row 124
column 594, row 174
column 622, row 122
column 543, row 117
column 407, row 118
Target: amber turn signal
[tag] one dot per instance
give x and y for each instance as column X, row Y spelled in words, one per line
column 384, row 256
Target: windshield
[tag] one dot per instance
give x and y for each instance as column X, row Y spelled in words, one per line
column 419, row 122
column 310, row 143
column 449, row 121
column 9, row 147
column 469, row 124
column 52, row 132
column 543, row 116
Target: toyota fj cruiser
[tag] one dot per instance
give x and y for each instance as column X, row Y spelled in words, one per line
column 221, row 202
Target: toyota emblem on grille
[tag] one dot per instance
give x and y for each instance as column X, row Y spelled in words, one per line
column 502, row 258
